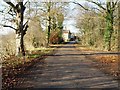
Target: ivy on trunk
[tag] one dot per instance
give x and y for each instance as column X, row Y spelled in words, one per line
column 109, row 25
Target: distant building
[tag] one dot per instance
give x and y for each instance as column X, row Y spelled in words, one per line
column 66, row 34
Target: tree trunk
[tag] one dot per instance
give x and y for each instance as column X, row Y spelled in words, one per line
column 109, row 27
column 119, row 27
column 49, row 23
column 20, row 45
column 48, row 34
column 20, row 32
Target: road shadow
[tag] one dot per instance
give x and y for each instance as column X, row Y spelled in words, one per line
column 89, row 54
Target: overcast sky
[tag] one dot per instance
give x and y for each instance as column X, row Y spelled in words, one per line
column 70, row 21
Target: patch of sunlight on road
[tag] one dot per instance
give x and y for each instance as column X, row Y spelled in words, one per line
column 57, row 83
column 66, row 77
column 80, row 83
column 68, row 71
column 62, row 67
column 93, row 79
column 103, row 84
column 53, row 83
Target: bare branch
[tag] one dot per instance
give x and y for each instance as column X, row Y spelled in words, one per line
column 98, row 9
column 80, row 5
column 2, row 11
column 11, row 4
column 26, row 3
column 114, row 5
column 43, row 10
column 25, row 24
column 98, row 4
column 11, row 13
column 8, row 26
column 25, row 27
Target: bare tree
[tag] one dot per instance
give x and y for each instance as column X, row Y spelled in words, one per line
column 17, row 13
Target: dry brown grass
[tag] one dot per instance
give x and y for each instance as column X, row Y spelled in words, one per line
column 13, row 66
column 108, row 63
